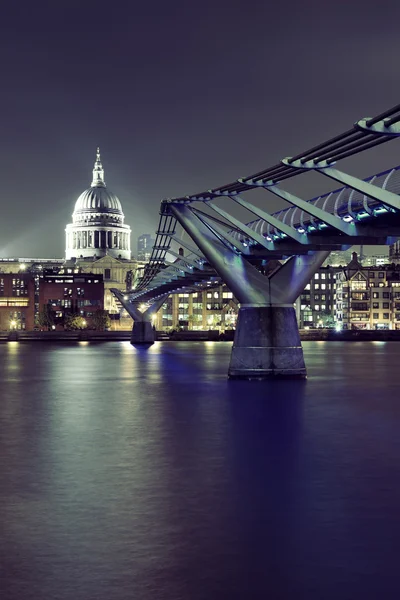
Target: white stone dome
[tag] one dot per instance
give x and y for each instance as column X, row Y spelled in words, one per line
column 97, row 227
column 98, row 199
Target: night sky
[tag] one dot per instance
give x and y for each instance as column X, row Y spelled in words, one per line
column 181, row 97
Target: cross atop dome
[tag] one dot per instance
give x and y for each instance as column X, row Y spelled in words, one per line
column 98, row 172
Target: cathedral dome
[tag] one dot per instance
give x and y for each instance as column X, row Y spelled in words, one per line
column 98, row 199
column 97, row 227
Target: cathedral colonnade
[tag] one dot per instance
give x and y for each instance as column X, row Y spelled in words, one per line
column 98, row 238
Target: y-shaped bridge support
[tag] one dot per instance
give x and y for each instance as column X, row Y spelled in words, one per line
column 267, row 341
column 142, row 330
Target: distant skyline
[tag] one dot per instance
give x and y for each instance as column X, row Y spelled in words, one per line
column 180, row 97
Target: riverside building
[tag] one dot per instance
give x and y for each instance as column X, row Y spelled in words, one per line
column 368, row 297
column 17, row 301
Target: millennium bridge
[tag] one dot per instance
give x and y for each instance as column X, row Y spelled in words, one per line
column 267, row 261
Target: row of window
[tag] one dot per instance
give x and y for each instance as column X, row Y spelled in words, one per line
column 69, row 291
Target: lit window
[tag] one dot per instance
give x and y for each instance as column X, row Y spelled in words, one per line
column 316, row 276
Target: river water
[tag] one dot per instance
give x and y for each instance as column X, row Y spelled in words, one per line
column 141, row 474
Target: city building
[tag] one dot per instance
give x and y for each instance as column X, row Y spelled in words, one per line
column 17, row 301
column 71, row 293
column 316, row 305
column 368, row 297
column 145, row 245
column 394, row 253
column 213, row 308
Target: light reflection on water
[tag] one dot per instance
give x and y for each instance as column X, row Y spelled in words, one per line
column 132, row 473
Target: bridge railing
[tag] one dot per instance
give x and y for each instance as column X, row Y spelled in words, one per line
column 345, row 204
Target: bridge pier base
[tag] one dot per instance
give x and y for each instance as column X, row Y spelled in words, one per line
column 267, row 344
column 143, row 333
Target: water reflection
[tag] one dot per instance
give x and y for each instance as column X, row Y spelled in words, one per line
column 131, row 473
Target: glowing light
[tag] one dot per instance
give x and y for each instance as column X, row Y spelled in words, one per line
column 13, row 324
column 142, row 307
column 22, row 267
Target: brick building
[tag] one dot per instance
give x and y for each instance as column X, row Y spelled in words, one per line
column 71, row 293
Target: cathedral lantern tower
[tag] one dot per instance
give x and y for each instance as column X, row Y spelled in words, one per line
column 97, row 227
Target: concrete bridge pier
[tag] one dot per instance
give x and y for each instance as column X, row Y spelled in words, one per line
column 267, row 344
column 267, row 340
column 143, row 333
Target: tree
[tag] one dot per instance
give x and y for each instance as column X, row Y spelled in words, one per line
column 101, row 320
column 327, row 320
column 46, row 317
column 74, row 321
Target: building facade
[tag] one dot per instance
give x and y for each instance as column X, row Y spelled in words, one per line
column 17, row 301
column 368, row 297
column 71, row 293
column 214, row 308
column 145, row 245
column 316, row 305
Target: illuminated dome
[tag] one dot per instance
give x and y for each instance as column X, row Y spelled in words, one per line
column 98, row 199
column 97, row 226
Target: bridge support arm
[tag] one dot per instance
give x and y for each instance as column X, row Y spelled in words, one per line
column 244, row 280
column 142, row 331
column 267, row 340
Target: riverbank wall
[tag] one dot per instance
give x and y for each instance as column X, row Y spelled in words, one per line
column 329, row 335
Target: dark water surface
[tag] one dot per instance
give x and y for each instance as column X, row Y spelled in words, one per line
column 131, row 474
